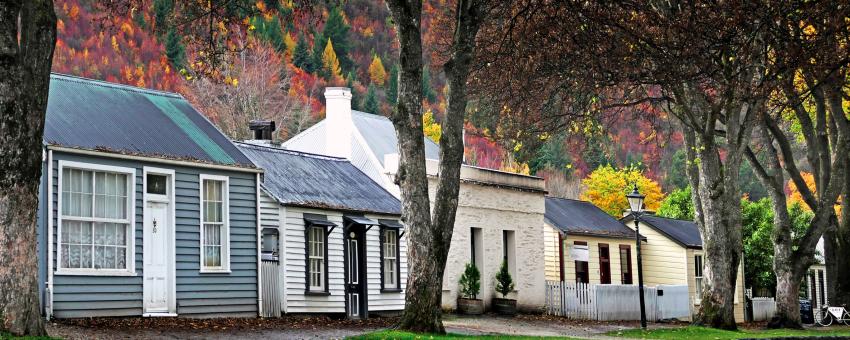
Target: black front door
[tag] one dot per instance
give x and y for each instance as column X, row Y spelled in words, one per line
column 355, row 270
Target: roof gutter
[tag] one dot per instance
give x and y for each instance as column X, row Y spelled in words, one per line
column 152, row 159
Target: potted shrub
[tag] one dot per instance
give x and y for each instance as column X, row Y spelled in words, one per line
column 470, row 285
column 504, row 286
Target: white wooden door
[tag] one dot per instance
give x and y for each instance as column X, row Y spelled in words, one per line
column 156, row 256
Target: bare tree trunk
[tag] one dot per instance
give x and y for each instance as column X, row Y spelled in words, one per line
column 836, row 248
column 718, row 215
column 24, row 79
column 430, row 235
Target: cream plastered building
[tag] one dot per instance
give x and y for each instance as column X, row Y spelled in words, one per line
column 499, row 215
column 585, row 244
column 673, row 255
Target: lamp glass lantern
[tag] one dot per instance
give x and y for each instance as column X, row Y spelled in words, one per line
column 635, row 200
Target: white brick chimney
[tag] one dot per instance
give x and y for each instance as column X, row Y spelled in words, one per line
column 338, row 122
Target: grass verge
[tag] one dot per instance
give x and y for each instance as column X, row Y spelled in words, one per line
column 692, row 332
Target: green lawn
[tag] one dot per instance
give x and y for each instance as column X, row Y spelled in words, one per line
column 716, row 334
column 399, row 335
column 5, row 335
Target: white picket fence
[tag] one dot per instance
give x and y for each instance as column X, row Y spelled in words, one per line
column 763, row 308
column 615, row 302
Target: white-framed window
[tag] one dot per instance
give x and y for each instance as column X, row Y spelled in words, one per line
column 390, row 253
column 698, row 277
column 215, row 224
column 316, row 242
column 95, row 219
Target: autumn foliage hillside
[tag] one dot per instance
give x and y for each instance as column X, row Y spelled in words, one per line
column 282, row 62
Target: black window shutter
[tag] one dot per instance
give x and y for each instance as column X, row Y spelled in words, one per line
column 381, row 250
column 307, row 257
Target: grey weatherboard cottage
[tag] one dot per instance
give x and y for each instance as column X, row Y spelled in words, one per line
column 332, row 240
column 147, row 208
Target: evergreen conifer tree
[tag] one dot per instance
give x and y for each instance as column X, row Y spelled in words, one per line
column 337, row 29
column 174, row 50
column 301, row 57
column 392, row 86
column 427, row 90
column 370, row 104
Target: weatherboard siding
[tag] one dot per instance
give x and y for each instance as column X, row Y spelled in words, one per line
column 197, row 294
column 593, row 258
column 551, row 253
column 664, row 260
column 293, row 255
column 383, row 301
column 294, row 258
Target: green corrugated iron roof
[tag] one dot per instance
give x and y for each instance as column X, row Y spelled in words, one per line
column 97, row 115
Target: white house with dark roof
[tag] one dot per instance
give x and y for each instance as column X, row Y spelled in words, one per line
column 499, row 216
column 332, row 240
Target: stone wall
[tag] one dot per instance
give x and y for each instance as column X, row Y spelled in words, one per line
column 495, row 209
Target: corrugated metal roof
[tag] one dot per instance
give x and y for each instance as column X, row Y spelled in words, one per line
column 379, row 133
column 683, row 232
column 302, row 179
column 581, row 217
column 96, row 115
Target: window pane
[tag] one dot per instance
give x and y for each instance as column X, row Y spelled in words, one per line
column 156, row 184
column 121, row 257
column 213, row 256
column 212, row 234
column 75, row 253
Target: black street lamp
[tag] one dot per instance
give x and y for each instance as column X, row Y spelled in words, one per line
column 636, row 207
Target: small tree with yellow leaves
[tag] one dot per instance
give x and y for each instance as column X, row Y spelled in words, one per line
column 377, row 73
column 330, row 63
column 607, row 187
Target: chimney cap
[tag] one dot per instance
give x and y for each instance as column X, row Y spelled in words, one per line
column 261, row 124
column 338, row 92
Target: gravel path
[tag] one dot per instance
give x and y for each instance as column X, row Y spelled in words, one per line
column 537, row 325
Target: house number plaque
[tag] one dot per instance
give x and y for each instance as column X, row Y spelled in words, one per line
column 154, row 226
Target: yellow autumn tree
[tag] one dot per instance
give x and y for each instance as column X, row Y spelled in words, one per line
column 607, row 187
column 331, row 63
column 289, row 43
column 432, row 129
column 377, row 72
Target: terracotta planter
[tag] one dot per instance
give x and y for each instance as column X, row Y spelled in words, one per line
column 504, row 306
column 470, row 306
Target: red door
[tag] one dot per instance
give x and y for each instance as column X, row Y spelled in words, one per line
column 604, row 264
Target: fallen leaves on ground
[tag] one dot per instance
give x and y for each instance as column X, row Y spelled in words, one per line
column 222, row 324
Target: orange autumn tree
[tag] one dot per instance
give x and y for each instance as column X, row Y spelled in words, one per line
column 794, row 196
column 607, row 187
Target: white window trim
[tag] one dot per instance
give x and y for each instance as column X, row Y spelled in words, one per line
column 394, row 256
column 170, row 198
column 323, row 231
column 225, row 230
column 131, row 219
column 697, row 292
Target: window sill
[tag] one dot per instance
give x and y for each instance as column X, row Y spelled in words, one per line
column 314, row 293
column 215, row 271
column 66, row 272
column 391, row 290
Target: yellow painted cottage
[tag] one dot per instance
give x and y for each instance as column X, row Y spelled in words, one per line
column 672, row 255
column 585, row 244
